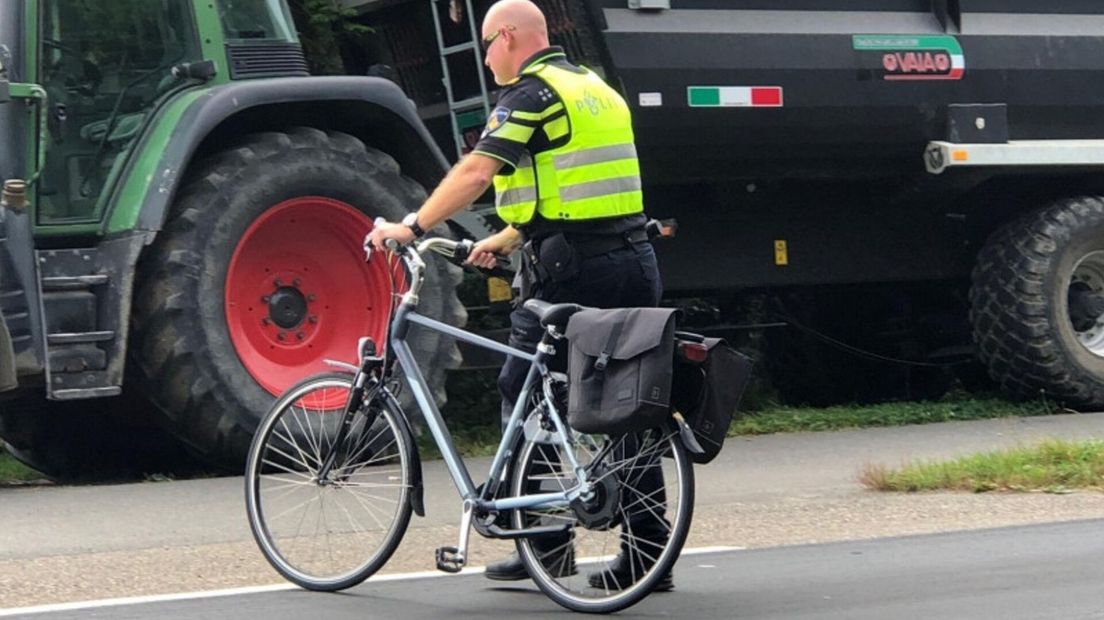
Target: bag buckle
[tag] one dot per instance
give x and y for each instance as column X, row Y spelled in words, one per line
column 602, row 361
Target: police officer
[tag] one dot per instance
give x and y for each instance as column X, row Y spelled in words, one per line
column 559, row 150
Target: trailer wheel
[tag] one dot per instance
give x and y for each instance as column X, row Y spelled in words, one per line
column 259, row 276
column 1037, row 303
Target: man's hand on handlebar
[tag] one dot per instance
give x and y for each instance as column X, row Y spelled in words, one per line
column 488, row 253
column 389, row 230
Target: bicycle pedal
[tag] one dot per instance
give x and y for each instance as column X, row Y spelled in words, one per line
column 449, row 559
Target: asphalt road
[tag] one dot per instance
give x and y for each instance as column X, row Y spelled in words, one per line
column 49, row 521
column 1038, row 572
column 70, row 544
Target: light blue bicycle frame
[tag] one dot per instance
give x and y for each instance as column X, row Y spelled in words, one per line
column 457, row 469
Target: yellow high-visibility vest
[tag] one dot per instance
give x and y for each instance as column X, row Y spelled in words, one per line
column 595, row 175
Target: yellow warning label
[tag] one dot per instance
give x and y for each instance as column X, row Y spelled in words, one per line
column 498, row 289
column 781, row 254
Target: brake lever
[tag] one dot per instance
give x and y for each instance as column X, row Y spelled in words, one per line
column 369, row 249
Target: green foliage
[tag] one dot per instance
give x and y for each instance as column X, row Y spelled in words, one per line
column 324, row 27
column 472, row 414
column 12, row 471
column 955, row 406
column 1053, row 466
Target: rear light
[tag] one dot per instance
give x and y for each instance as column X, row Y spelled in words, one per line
column 692, row 352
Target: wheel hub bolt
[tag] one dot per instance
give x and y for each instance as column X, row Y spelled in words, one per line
column 313, row 318
column 278, row 282
column 300, row 335
column 266, row 321
column 265, row 299
column 296, row 282
column 311, row 297
column 281, row 336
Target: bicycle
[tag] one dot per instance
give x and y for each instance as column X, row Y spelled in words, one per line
column 334, row 473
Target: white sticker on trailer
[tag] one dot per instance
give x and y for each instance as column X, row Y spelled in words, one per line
column 651, row 100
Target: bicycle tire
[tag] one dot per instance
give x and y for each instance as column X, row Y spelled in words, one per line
column 279, row 468
column 554, row 575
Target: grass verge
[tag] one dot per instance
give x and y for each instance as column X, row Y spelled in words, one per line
column 473, row 410
column 1053, row 466
column 14, row 472
column 956, row 406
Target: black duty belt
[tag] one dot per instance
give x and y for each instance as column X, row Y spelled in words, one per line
column 595, row 245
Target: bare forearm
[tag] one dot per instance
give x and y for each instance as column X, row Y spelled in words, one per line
column 460, row 188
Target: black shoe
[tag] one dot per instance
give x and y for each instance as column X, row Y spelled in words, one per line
column 618, row 575
column 510, row 569
column 561, row 563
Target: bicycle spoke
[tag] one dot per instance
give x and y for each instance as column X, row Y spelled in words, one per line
column 285, row 469
column 328, row 534
column 293, row 444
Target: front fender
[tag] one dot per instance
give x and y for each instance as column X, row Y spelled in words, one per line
column 372, row 108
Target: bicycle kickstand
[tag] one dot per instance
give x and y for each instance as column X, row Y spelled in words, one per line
column 452, row 559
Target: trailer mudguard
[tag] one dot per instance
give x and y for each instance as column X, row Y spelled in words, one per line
column 374, row 109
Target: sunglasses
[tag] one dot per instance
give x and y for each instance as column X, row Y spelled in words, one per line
column 491, row 38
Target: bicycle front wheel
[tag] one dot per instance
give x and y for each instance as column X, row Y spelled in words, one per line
column 622, row 539
column 328, row 532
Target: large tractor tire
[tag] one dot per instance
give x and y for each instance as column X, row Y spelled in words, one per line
column 259, row 276
column 1037, row 304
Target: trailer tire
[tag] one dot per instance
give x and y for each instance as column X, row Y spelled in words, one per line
column 1037, row 303
column 259, row 275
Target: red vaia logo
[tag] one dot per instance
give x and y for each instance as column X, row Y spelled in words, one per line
column 917, row 63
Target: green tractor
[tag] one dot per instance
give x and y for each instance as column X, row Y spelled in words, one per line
column 183, row 213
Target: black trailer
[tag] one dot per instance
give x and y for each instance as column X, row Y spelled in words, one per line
column 918, row 177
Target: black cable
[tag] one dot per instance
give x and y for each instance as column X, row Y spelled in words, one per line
column 868, row 354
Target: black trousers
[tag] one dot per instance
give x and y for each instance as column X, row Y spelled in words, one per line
column 627, row 277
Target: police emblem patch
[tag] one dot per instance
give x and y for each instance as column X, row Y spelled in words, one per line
column 497, row 119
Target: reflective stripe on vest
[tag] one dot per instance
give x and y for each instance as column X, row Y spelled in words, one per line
column 595, row 175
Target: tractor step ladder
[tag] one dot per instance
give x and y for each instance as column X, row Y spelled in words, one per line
column 83, row 356
column 472, row 44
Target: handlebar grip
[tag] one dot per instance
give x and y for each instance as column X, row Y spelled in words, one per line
column 391, row 244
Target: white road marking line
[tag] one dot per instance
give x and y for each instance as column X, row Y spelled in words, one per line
column 280, row 587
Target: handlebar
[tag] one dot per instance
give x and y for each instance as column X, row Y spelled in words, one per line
column 455, row 251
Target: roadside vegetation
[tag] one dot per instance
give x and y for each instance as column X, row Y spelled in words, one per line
column 472, row 414
column 1053, row 466
column 956, row 406
column 14, row 472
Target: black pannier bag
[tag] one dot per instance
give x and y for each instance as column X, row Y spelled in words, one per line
column 708, row 393
column 620, row 368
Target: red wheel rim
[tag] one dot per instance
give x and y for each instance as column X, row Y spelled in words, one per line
column 298, row 291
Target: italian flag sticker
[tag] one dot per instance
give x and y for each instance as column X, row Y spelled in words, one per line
column 734, row 96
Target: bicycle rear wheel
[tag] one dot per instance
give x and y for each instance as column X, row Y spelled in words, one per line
column 624, row 540
column 328, row 533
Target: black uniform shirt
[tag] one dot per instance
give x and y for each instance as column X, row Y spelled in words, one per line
column 530, row 117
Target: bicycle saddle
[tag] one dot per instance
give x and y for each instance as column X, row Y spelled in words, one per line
column 552, row 314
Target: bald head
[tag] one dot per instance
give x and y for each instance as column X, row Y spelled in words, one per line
column 517, row 30
column 525, row 17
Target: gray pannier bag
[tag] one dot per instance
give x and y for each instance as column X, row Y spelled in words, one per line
column 619, row 369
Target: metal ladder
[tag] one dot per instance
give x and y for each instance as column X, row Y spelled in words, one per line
column 471, row 104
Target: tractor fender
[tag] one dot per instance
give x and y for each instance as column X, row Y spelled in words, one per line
column 374, row 109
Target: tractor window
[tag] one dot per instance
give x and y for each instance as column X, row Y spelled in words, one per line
column 253, row 20
column 105, row 65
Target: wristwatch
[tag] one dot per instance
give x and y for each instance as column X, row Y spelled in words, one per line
column 411, row 222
